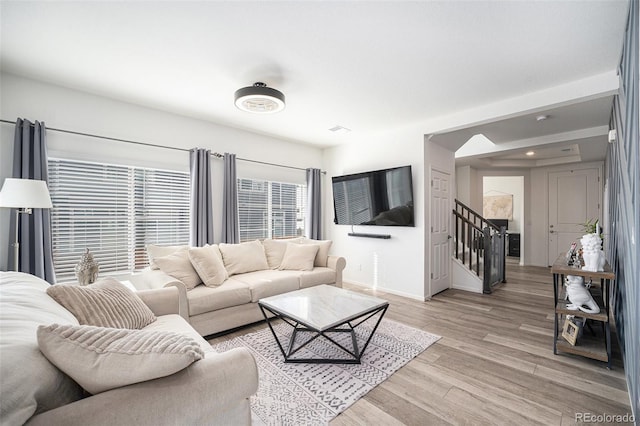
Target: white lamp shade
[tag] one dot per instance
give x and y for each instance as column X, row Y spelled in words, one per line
column 24, row 194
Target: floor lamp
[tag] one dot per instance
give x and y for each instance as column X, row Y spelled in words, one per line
column 23, row 195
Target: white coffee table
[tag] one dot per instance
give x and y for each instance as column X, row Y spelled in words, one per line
column 323, row 310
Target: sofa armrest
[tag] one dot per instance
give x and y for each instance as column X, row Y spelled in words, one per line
column 161, row 301
column 214, row 390
column 337, row 263
column 182, row 300
column 156, row 279
column 151, row 278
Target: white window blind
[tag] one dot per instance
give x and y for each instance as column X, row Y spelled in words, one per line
column 161, row 210
column 115, row 211
column 270, row 209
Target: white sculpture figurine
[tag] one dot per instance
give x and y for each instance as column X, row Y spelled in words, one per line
column 579, row 296
column 591, row 254
column 87, row 269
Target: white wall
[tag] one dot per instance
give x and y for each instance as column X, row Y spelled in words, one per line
column 395, row 265
column 68, row 109
column 463, row 184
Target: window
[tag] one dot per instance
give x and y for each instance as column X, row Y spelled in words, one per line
column 115, row 211
column 270, row 209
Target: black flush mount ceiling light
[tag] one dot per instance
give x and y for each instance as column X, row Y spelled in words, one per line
column 259, row 99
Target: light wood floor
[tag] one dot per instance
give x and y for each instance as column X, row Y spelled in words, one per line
column 494, row 364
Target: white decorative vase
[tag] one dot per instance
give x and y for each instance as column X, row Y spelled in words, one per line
column 592, row 255
column 601, row 261
column 590, row 260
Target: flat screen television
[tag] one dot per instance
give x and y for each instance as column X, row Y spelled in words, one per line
column 380, row 197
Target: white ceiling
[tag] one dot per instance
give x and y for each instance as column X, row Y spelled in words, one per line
column 567, row 134
column 368, row 66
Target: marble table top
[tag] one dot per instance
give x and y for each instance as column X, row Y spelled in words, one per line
column 322, row 307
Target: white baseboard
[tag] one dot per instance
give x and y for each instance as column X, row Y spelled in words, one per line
column 472, row 289
column 387, row 290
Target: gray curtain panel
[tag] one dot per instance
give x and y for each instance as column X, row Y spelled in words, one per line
column 313, row 219
column 34, row 230
column 230, row 225
column 200, row 200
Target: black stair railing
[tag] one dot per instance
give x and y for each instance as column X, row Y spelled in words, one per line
column 480, row 245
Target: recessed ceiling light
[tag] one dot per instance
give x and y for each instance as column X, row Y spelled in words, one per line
column 530, row 153
column 542, row 117
column 339, row 129
column 259, row 99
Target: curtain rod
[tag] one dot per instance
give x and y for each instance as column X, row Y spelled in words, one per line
column 213, row 154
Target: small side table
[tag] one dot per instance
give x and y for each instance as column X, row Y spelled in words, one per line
column 589, row 347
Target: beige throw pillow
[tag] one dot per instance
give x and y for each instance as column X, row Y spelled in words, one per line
column 99, row 358
column 299, row 257
column 274, row 250
column 155, row 251
column 323, row 250
column 207, row 261
column 105, row 303
column 243, row 257
column 179, row 266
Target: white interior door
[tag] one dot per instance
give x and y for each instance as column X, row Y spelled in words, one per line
column 574, row 198
column 440, row 234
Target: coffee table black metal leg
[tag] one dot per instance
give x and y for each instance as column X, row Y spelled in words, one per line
column 384, row 311
column 354, row 341
column 356, row 354
column 275, row 336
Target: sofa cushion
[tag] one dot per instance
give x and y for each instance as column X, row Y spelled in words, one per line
column 207, row 261
column 323, row 250
column 205, row 299
column 318, row 276
column 269, row 283
column 105, row 303
column 29, row 383
column 274, row 250
column 178, row 324
column 100, row 358
column 243, row 257
column 178, row 265
column 154, row 251
column 299, row 257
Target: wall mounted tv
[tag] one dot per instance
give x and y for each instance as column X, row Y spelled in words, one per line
column 380, row 197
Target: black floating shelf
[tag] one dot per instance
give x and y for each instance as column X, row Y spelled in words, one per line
column 380, row 236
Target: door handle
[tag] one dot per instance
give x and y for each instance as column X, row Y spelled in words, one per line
column 449, row 237
column 551, row 232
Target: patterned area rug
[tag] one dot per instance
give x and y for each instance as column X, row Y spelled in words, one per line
column 313, row 394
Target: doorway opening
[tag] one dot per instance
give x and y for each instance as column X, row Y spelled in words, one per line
column 503, row 200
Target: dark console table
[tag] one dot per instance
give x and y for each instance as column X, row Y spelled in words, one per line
column 596, row 346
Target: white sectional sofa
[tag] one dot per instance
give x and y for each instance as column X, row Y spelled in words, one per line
column 221, row 284
column 212, row 390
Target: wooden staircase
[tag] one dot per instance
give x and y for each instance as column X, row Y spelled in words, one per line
column 480, row 246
